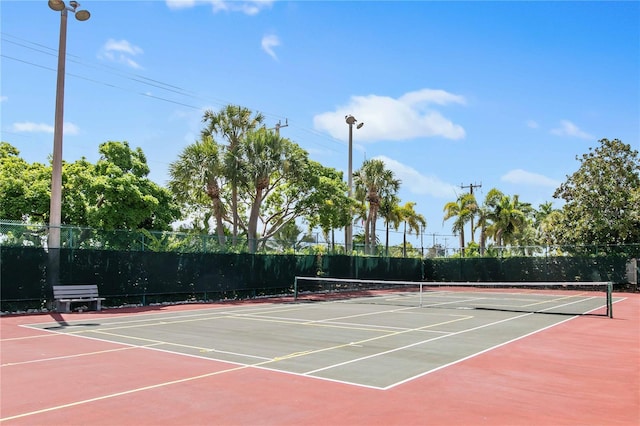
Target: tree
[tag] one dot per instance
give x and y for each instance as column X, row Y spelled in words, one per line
column 462, row 210
column 373, row 183
column 197, row 180
column 77, row 195
column 121, row 196
column 270, row 161
column 232, row 123
column 508, row 217
column 24, row 187
column 546, row 221
column 391, row 215
column 415, row 221
column 280, row 184
column 483, row 222
column 115, row 193
column 601, row 197
column 327, row 205
column 290, row 237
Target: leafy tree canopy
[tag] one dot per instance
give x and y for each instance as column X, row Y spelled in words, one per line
column 602, row 202
column 115, row 193
column 24, row 187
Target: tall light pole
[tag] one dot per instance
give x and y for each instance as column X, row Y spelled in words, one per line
column 55, row 206
column 351, row 120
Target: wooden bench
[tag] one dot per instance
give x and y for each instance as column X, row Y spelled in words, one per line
column 65, row 295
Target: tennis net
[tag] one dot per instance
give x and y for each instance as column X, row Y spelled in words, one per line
column 561, row 298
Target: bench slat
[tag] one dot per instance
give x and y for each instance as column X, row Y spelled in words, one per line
column 66, row 294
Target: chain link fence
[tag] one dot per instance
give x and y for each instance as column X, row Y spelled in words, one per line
column 153, row 267
column 19, row 234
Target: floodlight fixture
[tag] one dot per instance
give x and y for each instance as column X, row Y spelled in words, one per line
column 57, row 5
column 82, row 15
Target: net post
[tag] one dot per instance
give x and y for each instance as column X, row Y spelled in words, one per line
column 610, row 299
column 295, row 289
column 421, row 294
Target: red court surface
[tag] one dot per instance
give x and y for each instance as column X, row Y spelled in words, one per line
column 585, row 371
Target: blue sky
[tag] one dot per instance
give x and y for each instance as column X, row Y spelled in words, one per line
column 502, row 94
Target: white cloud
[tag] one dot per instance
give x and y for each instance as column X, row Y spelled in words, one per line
column 3, row 98
column 567, row 128
column 408, row 117
column 418, row 183
column 249, row 7
column 70, row 129
column 268, row 43
column 532, row 124
column 29, row 127
column 121, row 51
column 522, row 177
column 180, row 4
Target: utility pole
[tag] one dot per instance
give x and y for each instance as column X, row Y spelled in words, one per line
column 471, row 186
column 279, row 125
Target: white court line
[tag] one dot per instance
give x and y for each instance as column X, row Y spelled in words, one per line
column 442, row 337
column 154, row 342
column 56, row 358
column 414, row 344
column 185, row 314
column 117, row 394
column 491, row 348
column 39, row 336
column 177, row 319
column 259, row 366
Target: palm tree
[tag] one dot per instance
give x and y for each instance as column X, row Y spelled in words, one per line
column 232, row 123
column 547, row 220
column 390, row 213
column 483, row 221
column 268, row 161
column 415, row 221
column 508, row 216
column 197, row 176
column 463, row 210
column 373, row 183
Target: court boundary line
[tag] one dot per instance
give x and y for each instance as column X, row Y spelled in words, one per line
column 441, row 367
column 241, row 367
column 456, row 333
column 254, row 317
column 122, row 393
column 493, row 347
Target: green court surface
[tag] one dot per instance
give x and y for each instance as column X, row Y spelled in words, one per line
column 354, row 341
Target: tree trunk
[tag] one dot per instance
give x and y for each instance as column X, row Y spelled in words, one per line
column 404, row 241
column 234, row 207
column 222, row 240
column 483, row 241
column 386, row 242
column 252, row 231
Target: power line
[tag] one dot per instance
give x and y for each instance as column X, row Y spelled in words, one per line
column 145, row 81
column 471, row 186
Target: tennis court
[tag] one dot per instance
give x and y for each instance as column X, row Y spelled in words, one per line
column 379, row 343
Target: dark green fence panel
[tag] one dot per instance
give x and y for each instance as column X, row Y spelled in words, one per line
column 527, row 269
column 394, row 268
column 22, row 277
column 143, row 277
column 195, row 275
column 378, row 268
